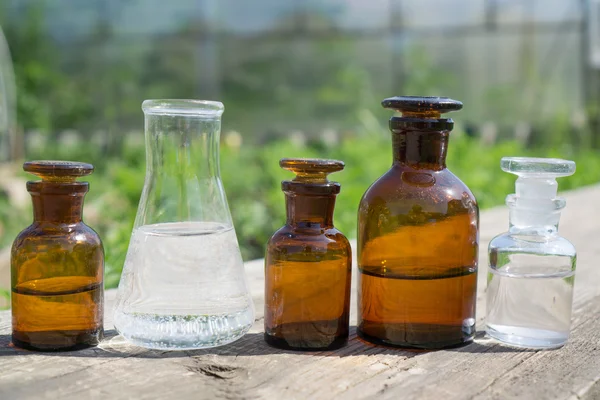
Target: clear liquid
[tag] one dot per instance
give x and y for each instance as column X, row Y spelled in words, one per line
column 529, row 299
column 183, row 287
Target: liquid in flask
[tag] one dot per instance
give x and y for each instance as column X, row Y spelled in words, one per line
column 183, row 283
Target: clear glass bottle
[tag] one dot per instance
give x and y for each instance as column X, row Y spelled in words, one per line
column 57, row 265
column 418, row 237
column 308, row 264
column 183, row 284
column 532, row 268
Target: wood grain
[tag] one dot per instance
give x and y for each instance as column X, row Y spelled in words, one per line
column 249, row 369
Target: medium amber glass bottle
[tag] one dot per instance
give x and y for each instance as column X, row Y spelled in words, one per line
column 418, row 238
column 57, row 265
column 308, row 264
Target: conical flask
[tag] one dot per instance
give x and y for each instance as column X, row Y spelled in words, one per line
column 183, row 283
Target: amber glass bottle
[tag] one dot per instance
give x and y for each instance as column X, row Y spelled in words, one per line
column 57, row 265
column 418, row 238
column 308, row 264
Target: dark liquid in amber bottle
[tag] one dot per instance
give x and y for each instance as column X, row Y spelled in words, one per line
column 418, row 239
column 57, row 265
column 308, row 265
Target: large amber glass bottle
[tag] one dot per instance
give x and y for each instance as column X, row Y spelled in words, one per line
column 418, row 237
column 308, row 264
column 57, row 265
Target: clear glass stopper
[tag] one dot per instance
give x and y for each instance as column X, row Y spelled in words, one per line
column 535, row 202
column 542, row 167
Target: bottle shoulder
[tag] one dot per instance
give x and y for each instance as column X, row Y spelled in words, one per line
column 42, row 252
column 330, row 239
column 539, row 244
column 402, row 184
column 57, row 235
column 391, row 202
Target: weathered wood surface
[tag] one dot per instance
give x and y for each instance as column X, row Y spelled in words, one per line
column 250, row 369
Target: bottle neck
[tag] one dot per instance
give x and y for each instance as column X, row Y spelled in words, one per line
column 308, row 211
column 420, row 149
column 60, row 203
column 521, row 222
column 534, row 216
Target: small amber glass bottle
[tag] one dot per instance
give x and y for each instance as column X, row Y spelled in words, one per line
column 57, row 265
column 418, row 238
column 308, row 264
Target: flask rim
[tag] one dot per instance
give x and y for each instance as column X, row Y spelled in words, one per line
column 186, row 107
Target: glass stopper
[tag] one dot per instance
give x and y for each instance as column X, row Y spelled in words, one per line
column 537, row 176
column 535, row 202
column 58, row 171
column 311, row 170
column 531, row 167
column 422, row 107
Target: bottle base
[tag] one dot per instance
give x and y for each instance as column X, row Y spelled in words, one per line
column 55, row 341
column 284, row 344
column 527, row 338
column 425, row 337
column 183, row 332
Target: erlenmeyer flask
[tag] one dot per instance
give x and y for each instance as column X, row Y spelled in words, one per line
column 183, row 283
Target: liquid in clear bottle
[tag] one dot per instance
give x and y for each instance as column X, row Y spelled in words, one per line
column 532, row 268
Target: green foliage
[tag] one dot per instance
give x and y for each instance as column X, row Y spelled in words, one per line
column 5, row 294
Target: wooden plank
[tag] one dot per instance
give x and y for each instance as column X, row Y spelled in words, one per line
column 249, row 368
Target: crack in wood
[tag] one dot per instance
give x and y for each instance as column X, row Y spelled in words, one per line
column 218, row 371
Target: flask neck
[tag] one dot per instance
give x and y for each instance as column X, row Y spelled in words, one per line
column 182, row 166
column 308, row 211
column 182, row 147
column 420, row 149
column 57, row 208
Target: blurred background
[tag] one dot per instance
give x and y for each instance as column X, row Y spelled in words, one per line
column 298, row 78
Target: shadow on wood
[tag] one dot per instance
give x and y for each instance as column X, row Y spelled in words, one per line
column 252, row 344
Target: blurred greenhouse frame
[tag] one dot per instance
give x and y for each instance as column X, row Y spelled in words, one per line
column 7, row 101
column 520, row 66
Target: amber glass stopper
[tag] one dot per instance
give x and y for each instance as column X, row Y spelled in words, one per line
column 422, row 107
column 311, row 170
column 58, row 171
